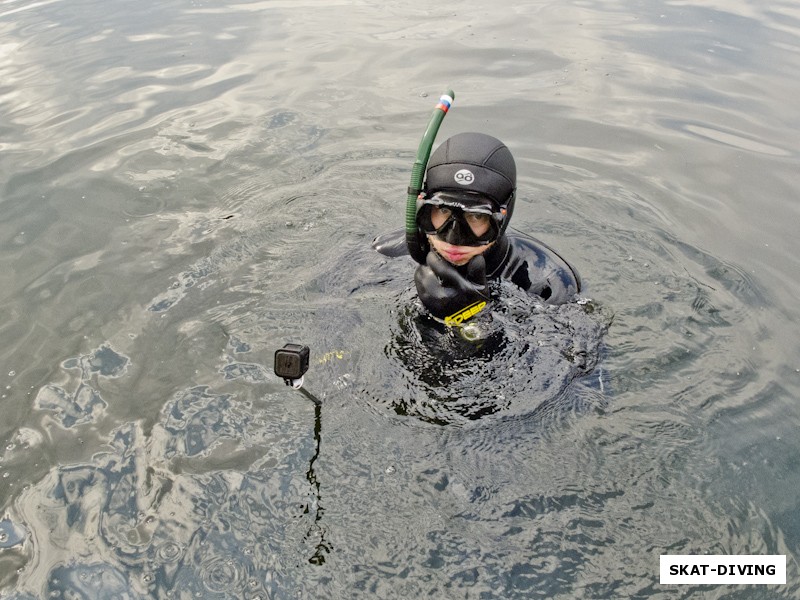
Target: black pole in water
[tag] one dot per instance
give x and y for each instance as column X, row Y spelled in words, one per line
column 310, row 396
column 322, row 547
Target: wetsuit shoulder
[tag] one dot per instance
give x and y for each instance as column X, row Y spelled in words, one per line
column 537, row 268
column 391, row 243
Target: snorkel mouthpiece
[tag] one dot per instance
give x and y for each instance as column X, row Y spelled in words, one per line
column 417, row 250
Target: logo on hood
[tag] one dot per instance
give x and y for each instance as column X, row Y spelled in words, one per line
column 464, row 177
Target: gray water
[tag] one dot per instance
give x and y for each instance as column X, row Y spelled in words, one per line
column 187, row 186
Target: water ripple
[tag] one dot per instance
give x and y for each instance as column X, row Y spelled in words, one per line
column 187, row 187
column 221, row 575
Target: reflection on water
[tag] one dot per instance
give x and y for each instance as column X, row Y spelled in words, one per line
column 82, row 405
column 186, row 187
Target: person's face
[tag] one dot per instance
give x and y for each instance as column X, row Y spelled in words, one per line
column 459, row 255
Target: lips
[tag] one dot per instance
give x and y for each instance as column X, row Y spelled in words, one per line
column 453, row 256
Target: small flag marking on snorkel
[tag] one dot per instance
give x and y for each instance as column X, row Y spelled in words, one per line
column 444, row 103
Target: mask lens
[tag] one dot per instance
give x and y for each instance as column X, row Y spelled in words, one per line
column 458, row 224
column 440, row 215
column 479, row 223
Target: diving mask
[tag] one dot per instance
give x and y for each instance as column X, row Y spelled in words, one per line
column 460, row 219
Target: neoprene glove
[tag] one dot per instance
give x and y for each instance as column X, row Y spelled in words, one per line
column 448, row 294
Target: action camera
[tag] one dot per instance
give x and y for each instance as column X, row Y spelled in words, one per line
column 291, row 361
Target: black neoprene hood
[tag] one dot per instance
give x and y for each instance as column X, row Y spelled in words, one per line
column 473, row 162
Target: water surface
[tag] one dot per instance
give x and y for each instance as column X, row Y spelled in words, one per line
column 187, row 186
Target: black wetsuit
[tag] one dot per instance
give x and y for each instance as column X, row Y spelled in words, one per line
column 523, row 260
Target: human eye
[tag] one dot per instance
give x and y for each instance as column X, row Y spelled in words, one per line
column 477, row 219
column 439, row 215
column 443, row 211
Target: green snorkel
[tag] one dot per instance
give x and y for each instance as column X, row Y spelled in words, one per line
column 417, row 250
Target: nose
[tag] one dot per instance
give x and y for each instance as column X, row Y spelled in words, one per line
column 454, row 233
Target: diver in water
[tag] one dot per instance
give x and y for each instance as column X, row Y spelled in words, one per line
column 461, row 239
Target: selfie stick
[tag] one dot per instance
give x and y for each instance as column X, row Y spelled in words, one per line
column 291, row 363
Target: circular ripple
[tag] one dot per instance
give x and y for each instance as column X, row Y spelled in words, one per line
column 169, row 552
column 142, row 205
column 221, row 574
